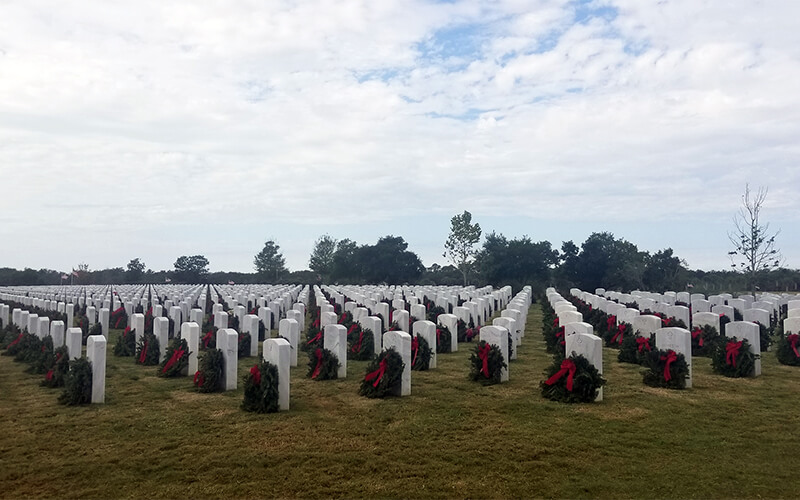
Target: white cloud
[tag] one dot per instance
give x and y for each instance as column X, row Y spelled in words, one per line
column 174, row 122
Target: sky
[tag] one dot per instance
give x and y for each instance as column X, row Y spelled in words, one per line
column 157, row 129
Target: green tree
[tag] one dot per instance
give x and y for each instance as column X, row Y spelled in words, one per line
column 389, row 261
column 610, row 263
column 135, row 271
column 754, row 250
column 345, row 266
column 460, row 245
column 269, row 262
column 321, row 260
column 664, row 271
column 517, row 262
column 191, row 269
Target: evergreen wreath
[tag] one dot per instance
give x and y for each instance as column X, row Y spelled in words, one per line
column 322, row 364
column 443, row 339
column 420, row 353
column 77, row 383
column 461, row 328
column 634, row 348
column 58, row 371
column 82, row 322
column 244, row 345
column 733, row 359
column 28, row 349
column 9, row 335
column 95, row 329
column 360, row 344
column 119, row 318
column 176, row 360
column 384, row 375
column 665, row 369
column 510, row 347
column 44, row 359
column 209, row 340
column 723, row 320
column 346, row 318
column 147, row 350
column 313, row 341
column 787, row 349
column 618, row 335
column 764, row 337
column 486, row 364
column 261, row 389
column 572, row 380
column 208, row 377
column 434, row 312
column 126, row 343
column 704, row 340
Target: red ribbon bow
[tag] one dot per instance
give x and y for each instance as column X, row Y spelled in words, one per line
column 177, row 354
column 555, row 322
column 199, row 379
column 567, row 368
column 143, row 354
column 316, row 323
column 620, row 332
column 414, row 350
column 256, row 373
column 357, row 346
column 16, row 341
column 610, row 322
column 318, row 354
column 560, row 332
column 731, row 352
column 698, row 332
column 377, row 374
column 793, row 340
column 207, row 338
column 352, row 328
column 670, row 358
column 315, row 339
column 49, row 375
column 483, row 355
column 643, row 343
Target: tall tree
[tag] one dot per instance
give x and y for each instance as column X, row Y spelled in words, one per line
column 460, row 245
column 754, row 249
column 191, row 269
column 269, row 262
column 345, row 266
column 664, row 271
column 135, row 271
column 389, row 261
column 517, row 262
column 321, row 260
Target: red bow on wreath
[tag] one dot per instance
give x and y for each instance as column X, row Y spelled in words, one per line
column 698, row 332
column 483, row 355
column 642, row 343
column 143, row 354
column 207, row 338
column 256, row 373
column 732, row 352
column 620, row 332
column 610, row 322
column 377, row 374
column 16, row 341
column 567, row 368
column 352, row 328
column 555, row 322
column 357, row 346
column 315, row 339
column 793, row 340
column 199, row 379
column 318, row 354
column 414, row 350
column 670, row 358
column 177, row 354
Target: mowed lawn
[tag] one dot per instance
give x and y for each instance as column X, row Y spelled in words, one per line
column 154, row 437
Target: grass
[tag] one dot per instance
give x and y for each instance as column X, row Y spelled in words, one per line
column 158, row 438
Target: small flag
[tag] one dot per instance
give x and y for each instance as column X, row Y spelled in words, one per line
column 64, row 277
column 75, row 273
column 167, row 280
column 231, row 283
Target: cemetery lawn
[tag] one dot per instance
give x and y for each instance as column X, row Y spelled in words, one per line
column 158, row 438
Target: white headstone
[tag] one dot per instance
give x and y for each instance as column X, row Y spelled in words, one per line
column 335, row 340
column 137, row 323
column 74, row 341
column 278, row 352
column 750, row 331
column 104, row 316
column 589, row 346
column 401, row 342
column 191, row 332
column 373, row 323
column 401, row 317
column 427, row 330
column 43, row 328
column 701, row 319
column 678, row 340
column 228, row 343
column 290, row 329
column 497, row 335
column 511, row 325
column 57, row 332
column 646, row 325
column 451, row 322
column 250, row 327
column 161, row 332
column 96, row 353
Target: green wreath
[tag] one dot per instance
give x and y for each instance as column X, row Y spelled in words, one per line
column 44, row 358
column 572, row 380
column 209, row 340
column 119, row 318
column 322, row 364
column 77, row 383
column 126, row 343
column 360, row 343
column 57, row 373
column 10, row 333
column 444, row 339
column 764, row 337
column 176, row 360
column 486, row 364
column 384, row 375
column 244, row 345
column 510, row 347
column 733, row 359
column 634, row 348
column 420, row 353
column 26, row 349
column 704, row 340
column 314, row 340
column 655, row 373
column 434, row 312
column 147, row 350
column 787, row 349
column 210, row 364
column 616, row 337
column 461, row 330
column 261, row 389
column 95, row 329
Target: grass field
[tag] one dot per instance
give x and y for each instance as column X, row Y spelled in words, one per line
column 451, row 438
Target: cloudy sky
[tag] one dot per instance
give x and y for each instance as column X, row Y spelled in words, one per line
column 158, row 129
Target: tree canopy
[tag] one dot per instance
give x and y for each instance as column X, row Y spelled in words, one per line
column 269, row 262
column 191, row 269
